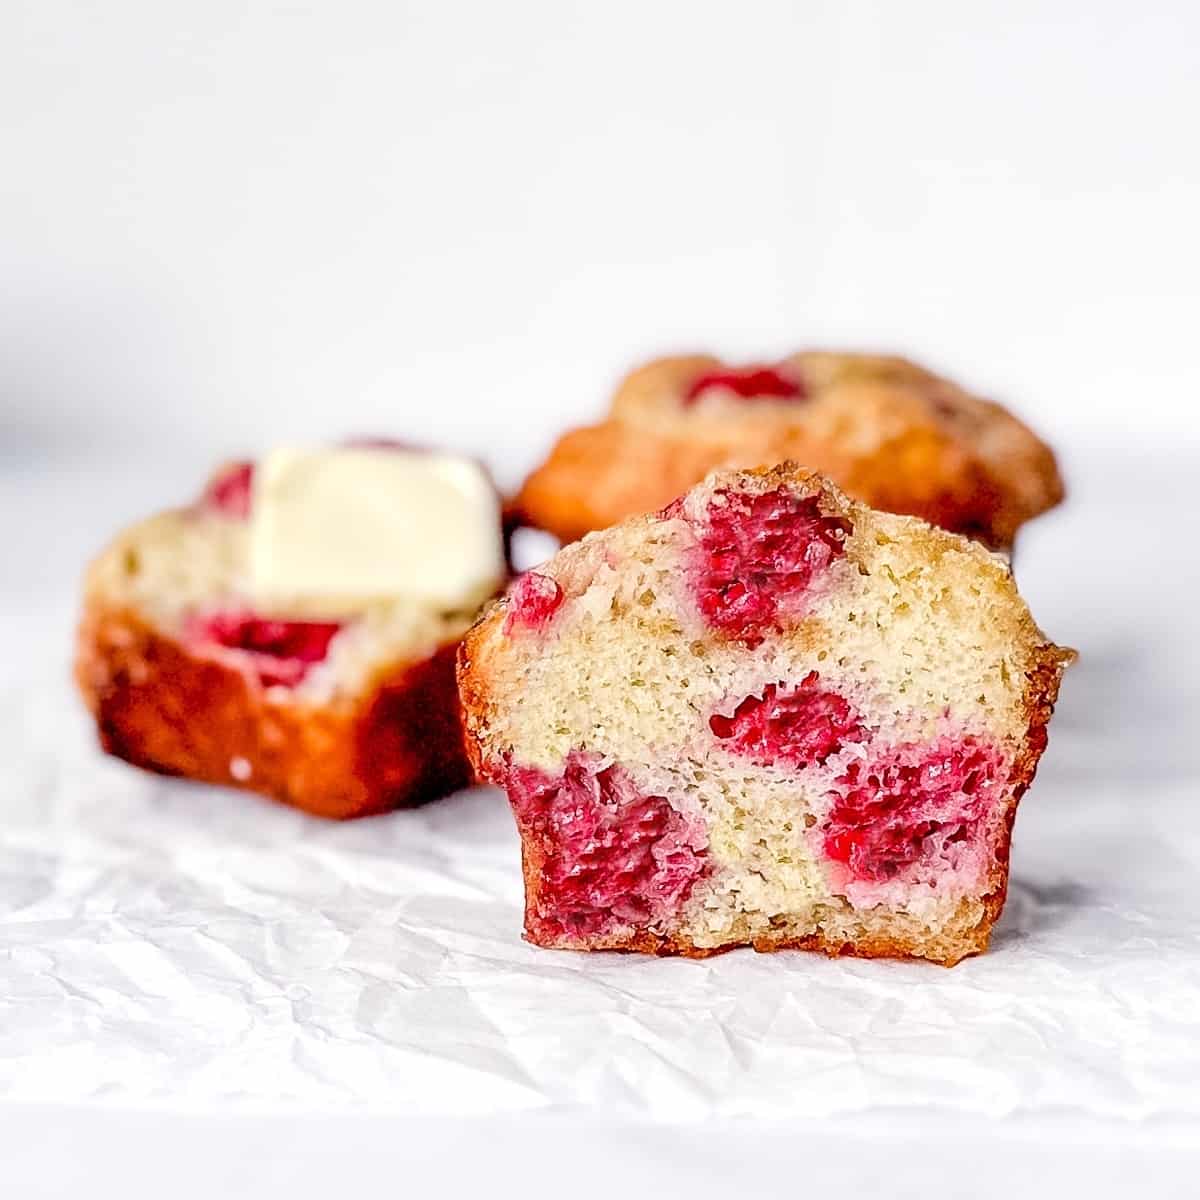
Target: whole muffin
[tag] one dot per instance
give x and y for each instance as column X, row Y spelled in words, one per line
column 887, row 431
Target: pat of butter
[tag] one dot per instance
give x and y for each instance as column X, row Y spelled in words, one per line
column 343, row 529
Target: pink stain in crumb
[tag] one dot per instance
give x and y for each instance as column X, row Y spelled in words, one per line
column 789, row 726
column 277, row 652
column 606, row 855
column 916, row 803
column 759, row 554
column 532, row 601
column 748, row 383
column 229, row 492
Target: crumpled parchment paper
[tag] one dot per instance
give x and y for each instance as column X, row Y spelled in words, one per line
column 174, row 944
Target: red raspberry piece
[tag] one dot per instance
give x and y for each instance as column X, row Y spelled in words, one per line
column 533, row 599
column 606, row 854
column 759, row 555
column 791, row 726
column 749, row 383
column 229, row 492
column 911, row 804
column 278, row 652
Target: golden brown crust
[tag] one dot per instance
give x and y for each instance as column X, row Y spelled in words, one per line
column 159, row 706
column 887, row 431
column 946, row 951
column 1041, row 693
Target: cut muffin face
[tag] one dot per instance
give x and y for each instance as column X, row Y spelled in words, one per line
column 767, row 715
column 885, row 430
column 339, row 705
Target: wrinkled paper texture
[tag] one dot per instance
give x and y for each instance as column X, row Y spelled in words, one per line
column 171, row 943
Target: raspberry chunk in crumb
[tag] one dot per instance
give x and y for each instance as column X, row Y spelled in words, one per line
column 748, row 383
column 277, row 652
column 532, row 601
column 229, row 491
column 605, row 854
column 759, row 554
column 915, row 804
column 789, row 726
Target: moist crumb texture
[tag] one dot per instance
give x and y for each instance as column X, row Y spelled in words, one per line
column 767, row 715
column 887, row 431
column 186, row 676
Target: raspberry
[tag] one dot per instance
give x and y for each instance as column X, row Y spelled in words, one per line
column 607, row 854
column 790, row 726
column 749, row 383
column 532, row 600
column 910, row 805
column 229, row 492
column 278, row 652
column 759, row 555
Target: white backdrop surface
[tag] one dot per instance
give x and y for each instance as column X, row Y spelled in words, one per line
column 231, row 223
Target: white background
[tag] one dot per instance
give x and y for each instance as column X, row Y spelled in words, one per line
column 232, row 223
column 224, row 225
